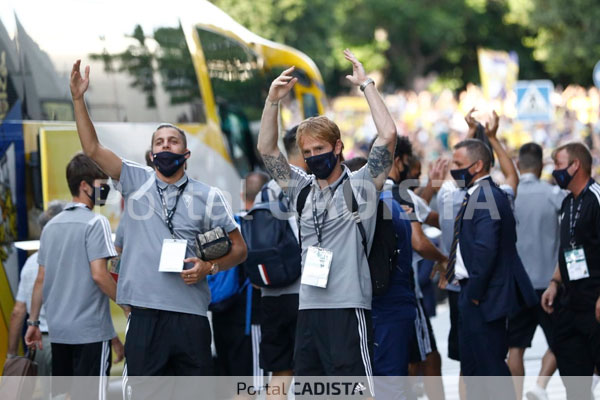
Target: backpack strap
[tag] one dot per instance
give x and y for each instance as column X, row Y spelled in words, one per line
column 352, row 205
column 301, row 201
column 264, row 194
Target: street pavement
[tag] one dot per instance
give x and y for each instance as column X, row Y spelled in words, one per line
column 533, row 360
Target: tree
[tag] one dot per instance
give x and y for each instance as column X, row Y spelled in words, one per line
column 563, row 35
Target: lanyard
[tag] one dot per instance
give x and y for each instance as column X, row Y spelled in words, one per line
column 573, row 221
column 169, row 213
column 319, row 226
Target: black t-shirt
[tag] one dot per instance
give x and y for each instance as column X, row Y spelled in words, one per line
column 582, row 294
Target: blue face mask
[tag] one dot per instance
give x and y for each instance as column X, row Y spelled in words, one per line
column 463, row 174
column 322, row 165
column 168, row 163
column 562, row 177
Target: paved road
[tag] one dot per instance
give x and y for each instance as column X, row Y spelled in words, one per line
column 533, row 357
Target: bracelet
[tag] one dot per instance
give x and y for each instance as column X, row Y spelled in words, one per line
column 273, row 104
column 366, row 83
column 33, row 323
column 555, row 281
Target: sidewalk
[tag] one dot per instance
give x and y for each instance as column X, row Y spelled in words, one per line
column 533, row 359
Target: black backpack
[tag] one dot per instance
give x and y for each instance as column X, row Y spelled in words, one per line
column 384, row 250
column 274, row 255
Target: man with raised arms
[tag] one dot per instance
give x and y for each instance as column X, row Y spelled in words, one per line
column 334, row 322
column 168, row 331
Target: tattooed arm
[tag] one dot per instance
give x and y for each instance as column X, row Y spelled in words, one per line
column 381, row 156
column 275, row 162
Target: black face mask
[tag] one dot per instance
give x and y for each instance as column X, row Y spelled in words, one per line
column 322, row 165
column 100, row 194
column 463, row 174
column 168, row 163
column 562, row 177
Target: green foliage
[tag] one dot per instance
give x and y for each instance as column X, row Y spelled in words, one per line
column 563, row 35
column 405, row 39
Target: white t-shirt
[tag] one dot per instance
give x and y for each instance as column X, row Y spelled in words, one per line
column 25, row 291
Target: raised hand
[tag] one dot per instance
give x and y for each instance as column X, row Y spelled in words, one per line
column 492, row 128
column 439, row 169
column 79, row 84
column 359, row 75
column 472, row 123
column 282, row 85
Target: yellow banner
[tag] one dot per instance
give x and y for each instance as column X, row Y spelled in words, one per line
column 499, row 71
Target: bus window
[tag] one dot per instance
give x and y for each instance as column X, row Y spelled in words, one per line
column 147, row 84
column 309, row 105
column 239, row 87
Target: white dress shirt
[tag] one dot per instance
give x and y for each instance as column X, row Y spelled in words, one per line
column 460, row 271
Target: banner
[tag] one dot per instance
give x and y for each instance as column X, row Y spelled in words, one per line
column 499, row 71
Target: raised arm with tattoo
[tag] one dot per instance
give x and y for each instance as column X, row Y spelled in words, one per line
column 274, row 160
column 381, row 156
column 108, row 161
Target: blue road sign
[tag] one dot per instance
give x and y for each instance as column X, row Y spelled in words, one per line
column 533, row 100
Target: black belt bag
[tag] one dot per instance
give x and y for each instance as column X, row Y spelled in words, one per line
column 212, row 244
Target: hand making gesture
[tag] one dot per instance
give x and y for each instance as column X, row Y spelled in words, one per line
column 282, row 85
column 79, row 84
column 359, row 75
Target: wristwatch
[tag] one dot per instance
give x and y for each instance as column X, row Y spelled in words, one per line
column 33, row 323
column 366, row 83
column 214, row 269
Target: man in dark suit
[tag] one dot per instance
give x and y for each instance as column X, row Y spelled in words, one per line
column 484, row 260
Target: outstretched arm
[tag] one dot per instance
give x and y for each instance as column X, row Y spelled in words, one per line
column 382, row 153
column 108, row 161
column 506, row 164
column 275, row 161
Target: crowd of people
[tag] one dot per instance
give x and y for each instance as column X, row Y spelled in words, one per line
column 336, row 290
column 434, row 121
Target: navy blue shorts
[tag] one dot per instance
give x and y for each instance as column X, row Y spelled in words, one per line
column 392, row 340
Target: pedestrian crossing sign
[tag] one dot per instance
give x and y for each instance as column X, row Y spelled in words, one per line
column 533, row 100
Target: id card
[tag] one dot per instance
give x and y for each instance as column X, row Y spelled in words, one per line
column 172, row 255
column 576, row 264
column 316, row 267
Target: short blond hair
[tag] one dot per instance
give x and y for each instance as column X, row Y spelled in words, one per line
column 321, row 128
column 577, row 151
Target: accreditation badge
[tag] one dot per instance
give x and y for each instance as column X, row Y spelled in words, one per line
column 316, row 267
column 172, row 255
column 576, row 265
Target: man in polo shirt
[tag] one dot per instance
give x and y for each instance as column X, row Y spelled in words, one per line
column 76, row 286
column 577, row 332
column 168, row 331
column 333, row 335
column 537, row 209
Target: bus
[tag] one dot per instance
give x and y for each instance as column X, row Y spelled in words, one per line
column 187, row 63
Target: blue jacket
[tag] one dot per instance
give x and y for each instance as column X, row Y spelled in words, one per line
column 487, row 241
